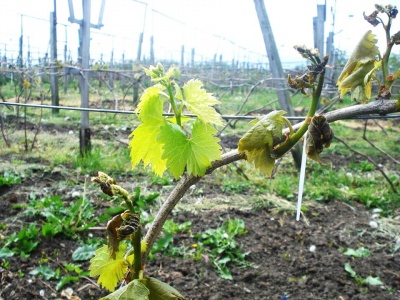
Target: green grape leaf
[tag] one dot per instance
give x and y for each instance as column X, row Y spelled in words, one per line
column 201, row 103
column 258, row 142
column 196, row 152
column 144, row 145
column 262, row 159
column 134, row 290
column 160, row 290
column 110, row 271
column 359, row 69
column 150, row 96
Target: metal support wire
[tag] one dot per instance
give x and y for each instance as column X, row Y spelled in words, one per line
column 226, row 117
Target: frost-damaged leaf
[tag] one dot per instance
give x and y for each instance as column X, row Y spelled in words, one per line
column 201, row 103
column 144, row 145
column 110, row 271
column 357, row 71
column 134, row 290
column 196, row 153
column 160, row 290
column 319, row 137
column 258, row 142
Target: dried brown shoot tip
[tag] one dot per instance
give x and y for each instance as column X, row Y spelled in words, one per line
column 105, row 182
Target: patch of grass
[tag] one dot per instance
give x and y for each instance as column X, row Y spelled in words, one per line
column 234, row 186
column 362, row 166
column 103, row 158
column 285, row 185
column 340, row 184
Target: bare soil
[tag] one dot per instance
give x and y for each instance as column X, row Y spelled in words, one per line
column 280, row 253
column 289, row 259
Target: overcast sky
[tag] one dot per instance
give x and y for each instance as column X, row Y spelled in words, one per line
column 227, row 27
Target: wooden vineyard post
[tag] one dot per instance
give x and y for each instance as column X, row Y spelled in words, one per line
column 84, row 51
column 276, row 68
column 55, row 98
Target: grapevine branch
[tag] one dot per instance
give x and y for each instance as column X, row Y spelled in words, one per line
column 376, row 107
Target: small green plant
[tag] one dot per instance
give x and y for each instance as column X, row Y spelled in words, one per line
column 362, row 166
column 232, row 186
column 360, row 252
column 8, row 179
column 165, row 243
column 85, row 252
column 21, row 243
column 59, row 218
column 221, row 248
column 68, row 273
column 121, row 258
column 369, row 280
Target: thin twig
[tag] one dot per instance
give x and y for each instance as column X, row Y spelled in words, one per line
column 3, row 131
column 376, row 147
column 255, row 110
column 39, row 125
column 380, row 168
column 241, row 107
column 381, row 127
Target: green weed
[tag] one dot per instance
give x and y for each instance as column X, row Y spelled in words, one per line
column 221, row 247
column 68, row 273
column 21, row 243
column 360, row 252
column 8, row 179
column 59, row 218
column 165, row 243
column 369, row 280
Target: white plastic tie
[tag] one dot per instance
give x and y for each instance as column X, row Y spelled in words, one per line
column 302, row 176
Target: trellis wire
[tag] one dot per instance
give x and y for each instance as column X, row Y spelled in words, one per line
column 227, row 117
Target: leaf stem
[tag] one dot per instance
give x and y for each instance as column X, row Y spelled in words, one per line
column 283, row 148
column 386, row 56
column 177, row 112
